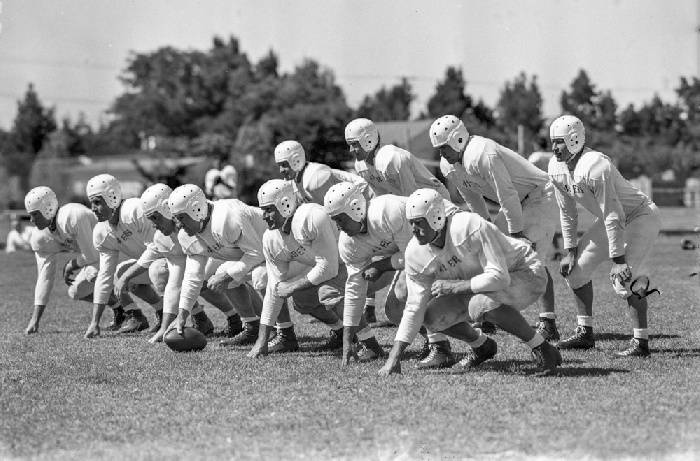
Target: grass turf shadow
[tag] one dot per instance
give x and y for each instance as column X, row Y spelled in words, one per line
column 627, row 337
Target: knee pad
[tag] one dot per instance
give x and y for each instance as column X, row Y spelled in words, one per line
column 158, row 273
column 82, row 284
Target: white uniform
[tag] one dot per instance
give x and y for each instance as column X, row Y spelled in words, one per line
column 73, row 233
column 396, row 171
column 626, row 221
column 166, row 248
column 317, row 178
column 523, row 191
column 311, row 251
column 130, row 237
column 231, row 241
column 502, row 270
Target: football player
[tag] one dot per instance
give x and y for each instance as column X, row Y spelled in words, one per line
column 62, row 229
column 122, row 228
column 460, row 269
column 626, row 225
column 373, row 242
column 478, row 167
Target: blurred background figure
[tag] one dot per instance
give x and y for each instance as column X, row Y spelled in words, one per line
column 221, row 184
column 19, row 236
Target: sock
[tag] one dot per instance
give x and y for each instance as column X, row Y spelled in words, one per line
column 365, row 334
column 369, row 302
column 584, row 320
column 436, row 337
column 641, row 333
column 337, row 325
column 478, row 341
column 535, row 341
column 548, row 315
column 250, row 319
column 284, row 325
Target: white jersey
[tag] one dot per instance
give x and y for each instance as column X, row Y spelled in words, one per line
column 493, row 171
column 396, row 171
column 599, row 187
column 168, row 247
column 232, row 234
column 474, row 250
column 312, row 244
column 316, row 178
column 73, row 233
column 130, row 236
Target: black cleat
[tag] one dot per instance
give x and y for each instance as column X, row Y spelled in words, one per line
column 284, row 341
column 119, row 318
column 371, row 350
column 233, row 326
column 581, row 339
column 440, row 356
column 370, row 315
column 479, row 355
column 159, row 320
column 201, row 322
column 547, row 357
column 334, row 342
column 135, row 321
column 486, row 327
column 247, row 337
column 638, row 348
column 547, row 328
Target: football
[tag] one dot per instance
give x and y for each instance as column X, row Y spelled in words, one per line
column 191, row 339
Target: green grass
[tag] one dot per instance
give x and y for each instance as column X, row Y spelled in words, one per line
column 62, row 397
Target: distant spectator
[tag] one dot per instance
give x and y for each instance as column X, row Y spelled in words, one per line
column 19, row 236
column 171, row 175
column 221, row 184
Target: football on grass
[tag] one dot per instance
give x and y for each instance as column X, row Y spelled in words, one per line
column 191, row 339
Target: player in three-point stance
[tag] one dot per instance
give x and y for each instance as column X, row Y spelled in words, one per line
column 626, row 225
column 461, row 269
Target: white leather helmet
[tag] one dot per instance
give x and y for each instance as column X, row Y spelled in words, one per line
column 346, row 197
column 279, row 193
column 188, row 199
column 155, row 198
column 449, row 130
column 571, row 129
column 43, row 200
column 428, row 204
column 107, row 187
column 292, row 152
column 364, row 131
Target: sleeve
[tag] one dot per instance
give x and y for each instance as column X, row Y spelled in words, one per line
column 325, row 248
column 277, row 269
column 505, row 191
column 493, row 260
column 613, row 213
column 88, row 253
column 192, row 281
column 104, row 283
column 404, row 175
column 402, row 233
column 149, row 256
column 251, row 246
column 45, row 274
column 568, row 215
column 418, row 286
column 176, row 273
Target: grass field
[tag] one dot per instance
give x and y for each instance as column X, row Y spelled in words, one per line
column 62, row 397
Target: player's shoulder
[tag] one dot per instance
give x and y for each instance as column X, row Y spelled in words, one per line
column 386, row 207
column 100, row 233
column 593, row 164
column 315, row 175
column 187, row 242
column 41, row 240
column 308, row 213
column 390, row 154
column 131, row 211
column 417, row 257
column 70, row 214
column 166, row 243
column 272, row 241
column 463, row 224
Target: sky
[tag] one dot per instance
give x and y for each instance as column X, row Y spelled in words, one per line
column 74, row 50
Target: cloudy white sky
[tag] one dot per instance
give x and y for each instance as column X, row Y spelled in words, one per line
column 73, row 50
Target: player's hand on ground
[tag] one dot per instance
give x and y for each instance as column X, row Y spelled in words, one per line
column 219, row 281
column 259, row 349
column 93, row 331
column 443, row 287
column 390, row 368
column 349, row 351
column 158, row 337
column 32, row 328
column 620, row 272
column 567, row 264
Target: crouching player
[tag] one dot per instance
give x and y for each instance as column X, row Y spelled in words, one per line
column 301, row 252
column 223, row 244
column 62, row 229
column 372, row 243
column 626, row 225
column 461, row 269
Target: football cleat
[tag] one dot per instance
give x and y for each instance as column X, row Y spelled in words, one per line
column 371, row 350
column 248, row 336
column 547, row 357
column 233, row 326
column 284, row 341
column 201, row 322
column 479, row 355
column 159, row 320
column 440, row 356
column 334, row 342
column 135, row 321
column 638, row 348
column 581, row 339
column 424, row 349
column 547, row 328
column 118, row 319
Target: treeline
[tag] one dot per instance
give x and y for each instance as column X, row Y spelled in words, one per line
column 219, row 103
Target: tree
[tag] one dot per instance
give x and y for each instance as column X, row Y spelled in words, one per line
column 596, row 109
column 32, row 124
column 520, row 103
column 450, row 97
column 388, row 104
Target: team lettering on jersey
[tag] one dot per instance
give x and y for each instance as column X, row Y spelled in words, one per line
column 454, row 261
column 573, row 189
column 381, row 245
column 294, row 254
column 213, row 248
column 373, row 176
column 125, row 236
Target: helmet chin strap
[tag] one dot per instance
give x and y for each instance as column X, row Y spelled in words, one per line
column 572, row 157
